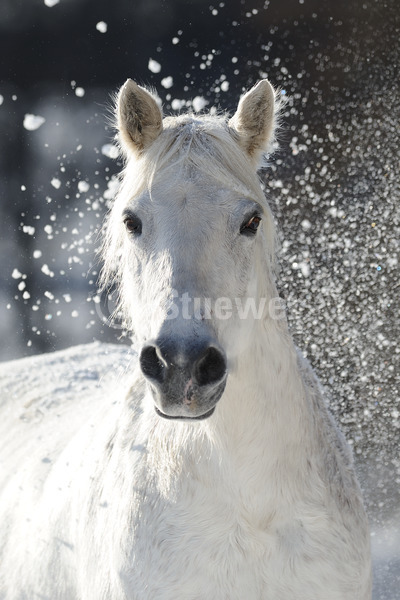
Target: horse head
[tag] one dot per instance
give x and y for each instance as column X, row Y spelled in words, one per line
column 188, row 240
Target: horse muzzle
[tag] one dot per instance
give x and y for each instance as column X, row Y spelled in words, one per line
column 186, row 379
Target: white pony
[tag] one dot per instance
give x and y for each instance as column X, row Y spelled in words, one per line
column 221, row 474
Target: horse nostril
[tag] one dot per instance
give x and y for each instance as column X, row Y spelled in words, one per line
column 151, row 365
column 211, row 367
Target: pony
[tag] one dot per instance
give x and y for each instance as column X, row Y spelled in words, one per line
column 220, row 473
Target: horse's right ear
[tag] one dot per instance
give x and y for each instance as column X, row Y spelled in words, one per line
column 139, row 118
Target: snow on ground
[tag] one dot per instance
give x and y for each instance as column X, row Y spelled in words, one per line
column 31, row 386
column 46, row 399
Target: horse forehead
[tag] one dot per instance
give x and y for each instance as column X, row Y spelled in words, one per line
column 196, row 198
column 188, row 217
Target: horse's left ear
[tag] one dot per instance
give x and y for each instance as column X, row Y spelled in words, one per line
column 139, row 118
column 254, row 120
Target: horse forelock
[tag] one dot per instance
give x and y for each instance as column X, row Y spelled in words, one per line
column 207, row 145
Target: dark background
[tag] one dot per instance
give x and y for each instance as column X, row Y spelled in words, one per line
column 333, row 183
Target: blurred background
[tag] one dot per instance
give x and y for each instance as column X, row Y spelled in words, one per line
column 333, row 183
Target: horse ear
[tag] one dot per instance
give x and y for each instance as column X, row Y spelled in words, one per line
column 139, row 118
column 254, row 120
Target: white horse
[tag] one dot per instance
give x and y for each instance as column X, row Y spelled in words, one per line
column 221, row 475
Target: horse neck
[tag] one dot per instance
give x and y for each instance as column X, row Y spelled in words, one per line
column 262, row 431
column 265, row 398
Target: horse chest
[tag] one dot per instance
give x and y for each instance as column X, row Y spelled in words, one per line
column 215, row 552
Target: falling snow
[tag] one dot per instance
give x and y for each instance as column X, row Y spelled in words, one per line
column 177, row 104
column 56, row 183
column 28, row 229
column 32, row 122
column 110, row 150
column 84, row 186
column 167, row 82
column 101, row 26
column 16, row 274
column 154, row 66
column 45, row 269
column 199, row 103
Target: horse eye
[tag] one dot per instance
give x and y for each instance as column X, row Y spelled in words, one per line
column 133, row 224
column 250, row 227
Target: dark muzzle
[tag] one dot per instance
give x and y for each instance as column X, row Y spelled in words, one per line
column 187, row 379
